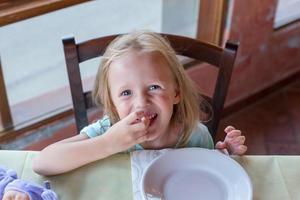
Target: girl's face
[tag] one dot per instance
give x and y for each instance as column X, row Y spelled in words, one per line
column 144, row 81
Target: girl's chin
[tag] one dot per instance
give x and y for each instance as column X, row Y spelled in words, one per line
column 153, row 136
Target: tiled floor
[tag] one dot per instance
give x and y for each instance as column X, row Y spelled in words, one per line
column 271, row 125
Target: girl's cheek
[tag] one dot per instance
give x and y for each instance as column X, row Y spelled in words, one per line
column 123, row 110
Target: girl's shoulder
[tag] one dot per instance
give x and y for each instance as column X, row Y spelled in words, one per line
column 97, row 128
column 200, row 137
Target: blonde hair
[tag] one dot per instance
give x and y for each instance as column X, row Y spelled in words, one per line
column 186, row 112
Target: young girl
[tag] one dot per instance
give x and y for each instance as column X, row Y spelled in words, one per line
column 149, row 103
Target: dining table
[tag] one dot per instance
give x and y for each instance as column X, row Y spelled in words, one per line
column 272, row 176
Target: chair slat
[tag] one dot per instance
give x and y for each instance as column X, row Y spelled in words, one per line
column 75, row 83
column 93, row 48
column 182, row 45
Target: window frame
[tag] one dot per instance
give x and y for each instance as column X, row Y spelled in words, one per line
column 14, row 11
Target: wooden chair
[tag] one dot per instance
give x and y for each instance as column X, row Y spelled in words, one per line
column 221, row 58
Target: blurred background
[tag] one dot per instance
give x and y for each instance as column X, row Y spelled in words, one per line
column 264, row 95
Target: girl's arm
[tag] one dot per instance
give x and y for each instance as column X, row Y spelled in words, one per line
column 70, row 153
column 79, row 150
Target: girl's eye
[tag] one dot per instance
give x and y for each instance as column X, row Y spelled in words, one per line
column 125, row 93
column 154, row 87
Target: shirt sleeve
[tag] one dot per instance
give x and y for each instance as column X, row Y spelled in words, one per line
column 97, row 128
column 201, row 137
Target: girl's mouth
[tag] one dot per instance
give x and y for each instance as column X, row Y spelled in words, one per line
column 152, row 118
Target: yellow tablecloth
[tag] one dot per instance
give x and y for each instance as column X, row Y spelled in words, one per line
column 106, row 179
column 273, row 177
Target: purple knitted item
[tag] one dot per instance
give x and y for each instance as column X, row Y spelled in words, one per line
column 34, row 191
column 6, row 176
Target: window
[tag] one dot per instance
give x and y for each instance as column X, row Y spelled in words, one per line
column 32, row 55
column 286, row 12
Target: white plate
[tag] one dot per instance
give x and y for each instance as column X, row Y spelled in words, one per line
column 195, row 173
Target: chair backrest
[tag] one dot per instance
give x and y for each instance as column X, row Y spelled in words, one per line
column 218, row 57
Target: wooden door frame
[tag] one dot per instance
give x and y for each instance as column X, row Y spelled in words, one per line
column 212, row 20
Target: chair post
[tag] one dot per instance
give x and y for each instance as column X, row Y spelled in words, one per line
column 5, row 114
column 223, row 80
column 74, row 76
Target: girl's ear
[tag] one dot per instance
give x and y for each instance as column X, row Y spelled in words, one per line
column 177, row 97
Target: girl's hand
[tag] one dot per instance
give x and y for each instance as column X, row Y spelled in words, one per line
column 15, row 195
column 234, row 142
column 127, row 132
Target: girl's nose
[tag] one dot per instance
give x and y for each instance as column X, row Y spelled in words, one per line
column 142, row 101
